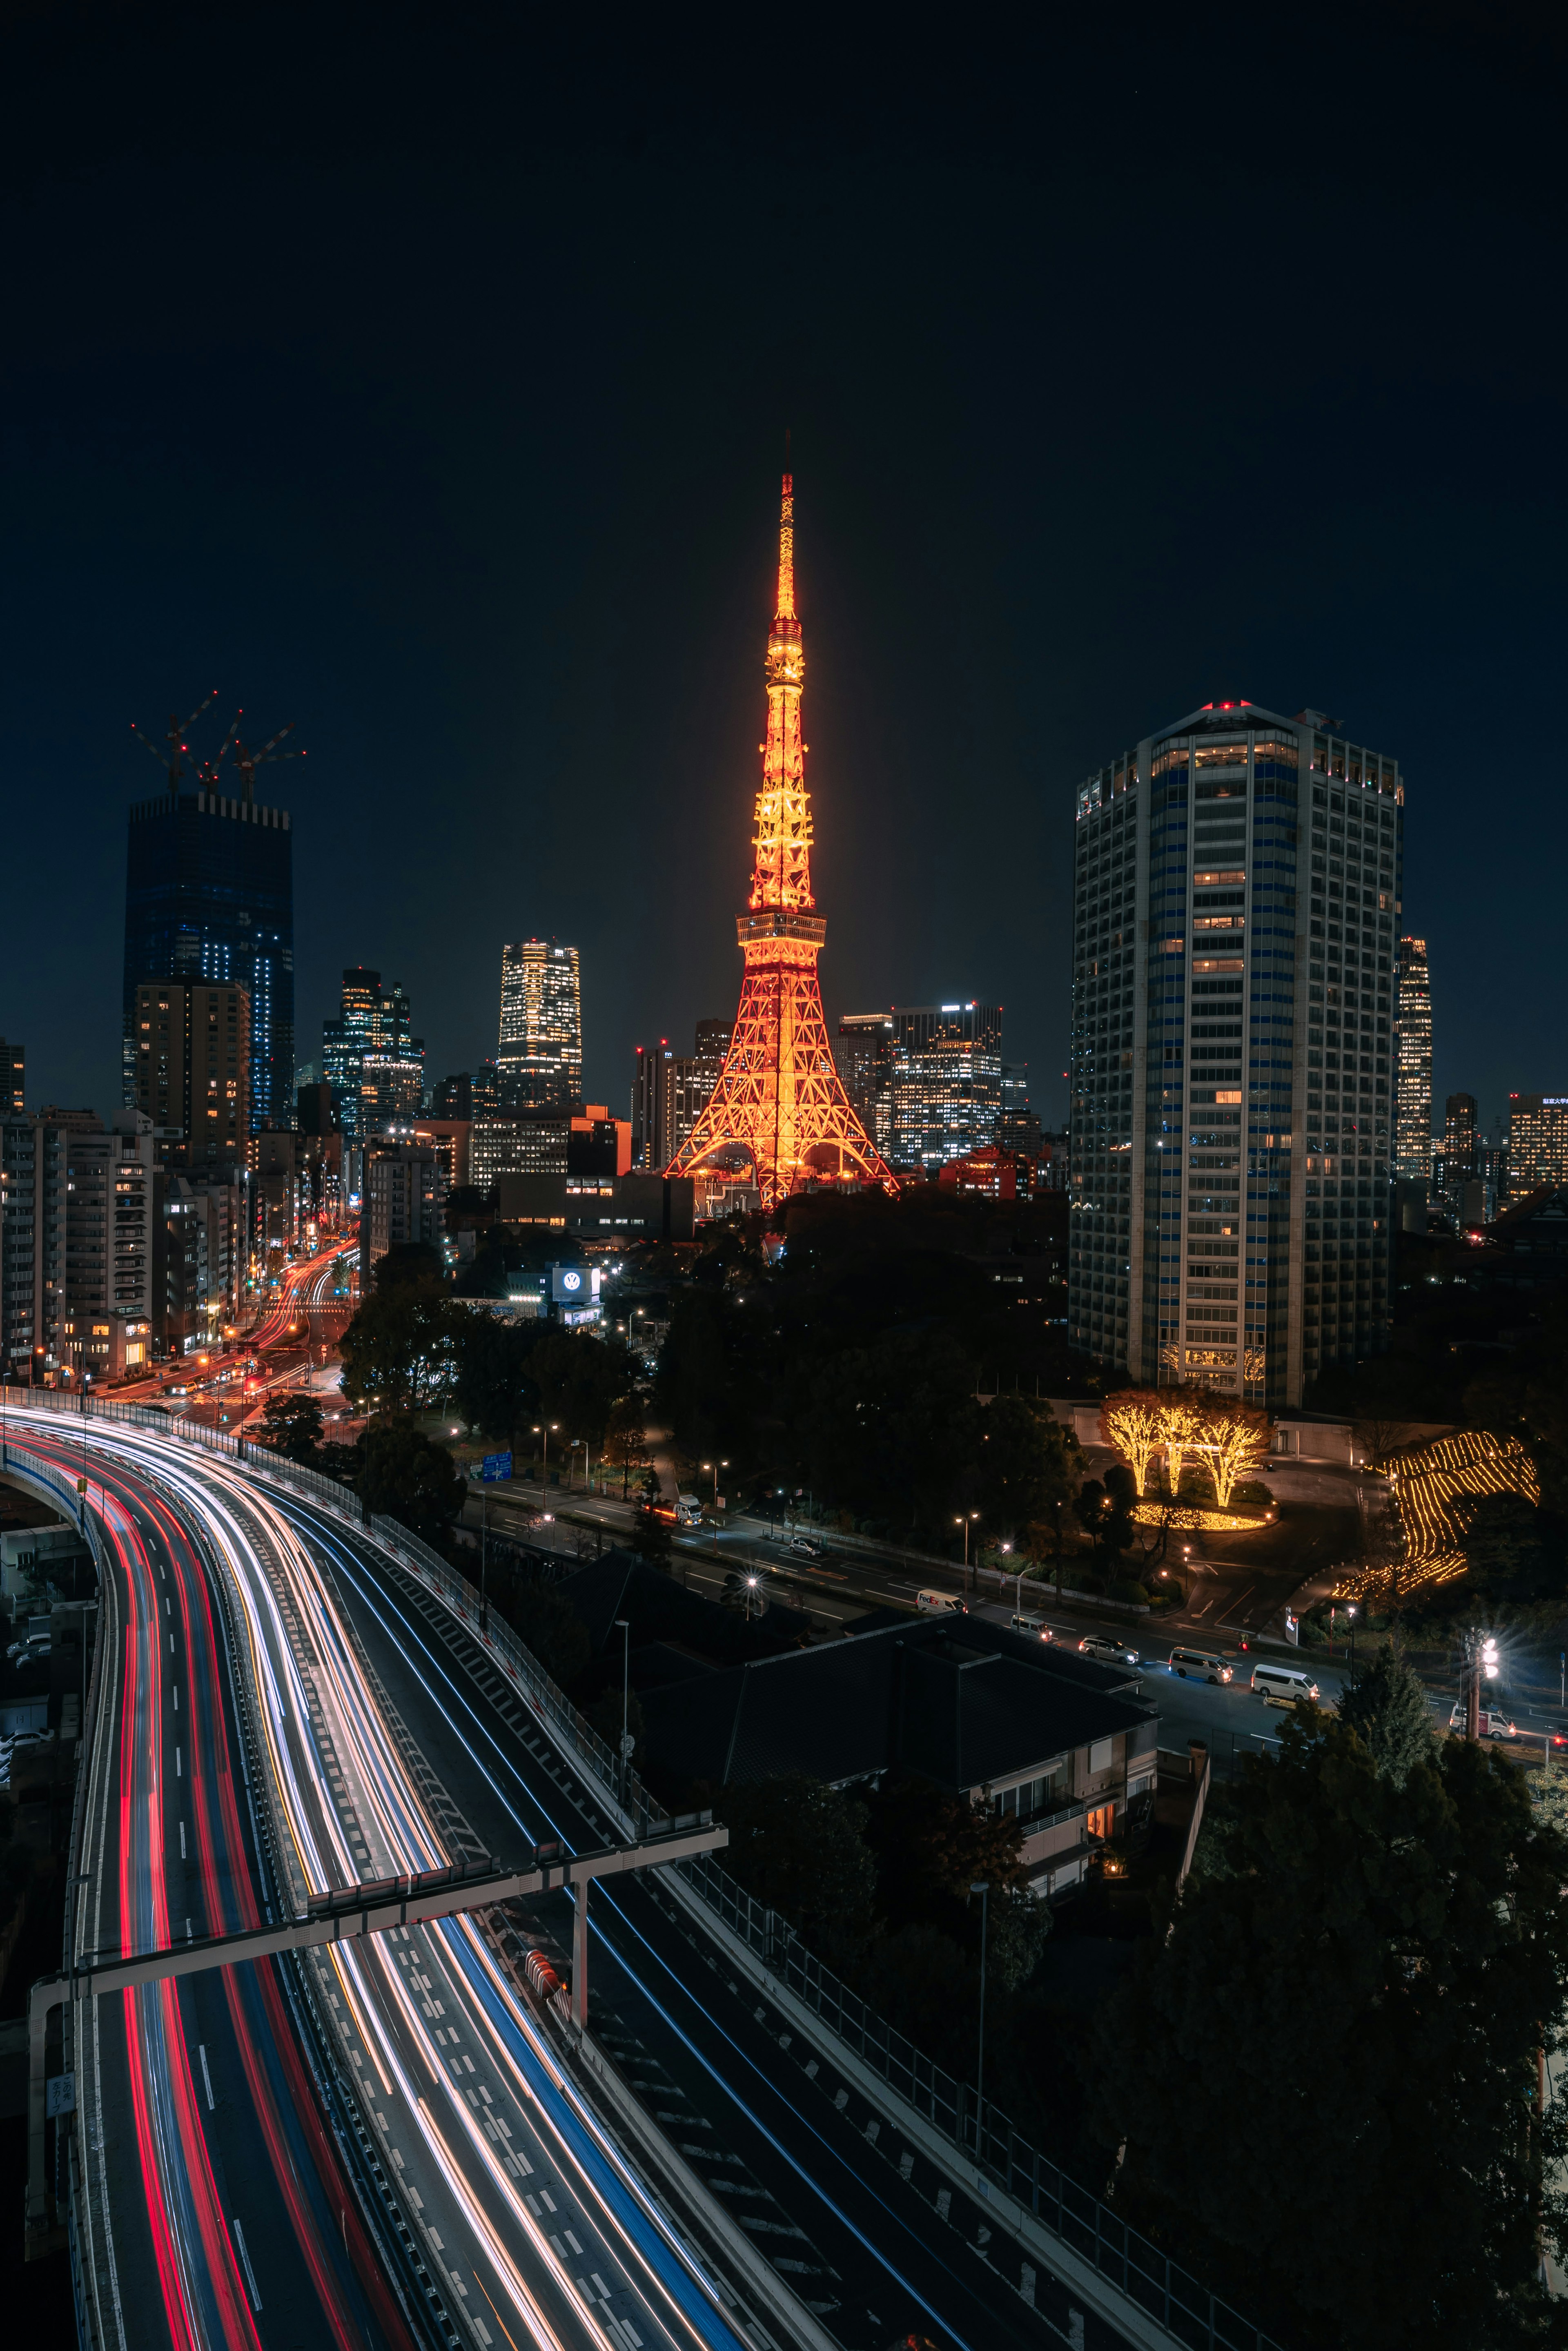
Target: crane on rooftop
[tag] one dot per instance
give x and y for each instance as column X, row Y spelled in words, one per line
column 179, row 749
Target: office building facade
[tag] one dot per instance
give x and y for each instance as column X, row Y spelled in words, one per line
column 1413, row 1141
column 864, row 1051
column 517, row 1143
column 652, row 1083
column 370, row 1057
column 945, row 1088
column 1236, row 883
column 192, row 1048
column 404, row 1200
column 1537, row 1142
column 13, row 1080
column 209, row 899
column 540, row 1049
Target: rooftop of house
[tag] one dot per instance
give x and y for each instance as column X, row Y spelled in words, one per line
column 966, row 1703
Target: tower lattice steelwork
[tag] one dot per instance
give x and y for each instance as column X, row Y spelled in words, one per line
column 778, row 1103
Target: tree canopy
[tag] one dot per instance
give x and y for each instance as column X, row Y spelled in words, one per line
column 1322, row 2083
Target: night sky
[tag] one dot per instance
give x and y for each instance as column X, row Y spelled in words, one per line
column 413, row 378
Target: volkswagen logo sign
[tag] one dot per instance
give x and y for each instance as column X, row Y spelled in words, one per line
column 571, row 1281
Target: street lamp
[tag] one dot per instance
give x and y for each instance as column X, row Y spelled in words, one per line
column 716, row 1467
column 982, row 1887
column 965, row 1522
column 571, row 1465
column 543, row 1429
column 1350, row 1612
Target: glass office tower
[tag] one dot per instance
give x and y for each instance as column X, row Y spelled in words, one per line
column 209, row 896
column 945, row 1089
column 540, row 1051
column 1236, row 889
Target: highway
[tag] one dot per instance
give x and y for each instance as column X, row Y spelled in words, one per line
column 523, row 2215
column 221, row 1388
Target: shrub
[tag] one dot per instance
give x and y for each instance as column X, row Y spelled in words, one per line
column 1131, row 1596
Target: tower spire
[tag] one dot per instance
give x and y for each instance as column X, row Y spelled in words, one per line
column 779, row 1103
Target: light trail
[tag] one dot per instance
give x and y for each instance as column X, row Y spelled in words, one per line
column 351, row 1813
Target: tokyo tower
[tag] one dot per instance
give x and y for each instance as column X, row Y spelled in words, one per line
column 779, row 1103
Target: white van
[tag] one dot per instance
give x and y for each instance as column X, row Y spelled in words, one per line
column 1033, row 1627
column 940, row 1604
column 1283, row 1686
column 1201, row 1664
column 688, row 1510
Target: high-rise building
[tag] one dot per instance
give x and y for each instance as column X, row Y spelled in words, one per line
column 540, row 1049
column 191, row 1066
column 688, row 1080
column 209, row 899
column 373, row 1061
column 1413, row 1144
column 1017, row 1128
column 653, row 1081
column 13, row 1080
column 1454, row 1159
column 1236, row 892
column 1537, row 1142
column 405, row 1199
column 79, row 1244
column 779, row 1119
column 946, row 1091
column 864, row 1051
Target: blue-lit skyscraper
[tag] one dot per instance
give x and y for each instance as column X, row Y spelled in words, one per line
column 209, row 895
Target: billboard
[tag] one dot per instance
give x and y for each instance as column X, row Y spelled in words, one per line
column 573, row 1285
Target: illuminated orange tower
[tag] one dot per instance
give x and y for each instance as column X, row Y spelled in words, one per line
column 779, row 1103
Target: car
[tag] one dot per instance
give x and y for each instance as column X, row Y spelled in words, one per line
column 1033, row 1627
column 806, row 1546
column 1112, row 1652
column 1201, row 1664
column 1493, row 1725
column 1283, row 1686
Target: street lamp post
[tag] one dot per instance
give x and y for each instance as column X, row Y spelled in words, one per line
column 982, row 1889
column 571, row 1462
column 1350, row 1612
column 542, row 1429
column 716, row 1467
column 965, row 1522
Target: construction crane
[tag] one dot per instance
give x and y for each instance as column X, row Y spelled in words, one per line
column 179, row 749
column 248, row 761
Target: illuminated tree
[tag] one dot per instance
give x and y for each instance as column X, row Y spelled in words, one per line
column 1181, row 1426
column 1238, row 1439
column 1134, row 1422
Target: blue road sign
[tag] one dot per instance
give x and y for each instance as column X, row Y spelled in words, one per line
column 497, row 1465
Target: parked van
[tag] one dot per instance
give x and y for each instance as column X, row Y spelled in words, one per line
column 1201, row 1664
column 940, row 1604
column 1033, row 1628
column 1283, row 1686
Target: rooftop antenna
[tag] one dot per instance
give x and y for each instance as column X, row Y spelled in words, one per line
column 178, row 747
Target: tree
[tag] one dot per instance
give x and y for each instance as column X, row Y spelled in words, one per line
column 579, row 1380
column 396, row 1350
column 1133, row 1421
column 1182, row 1415
column 1238, row 1439
column 292, row 1424
column 931, row 1846
column 1388, row 1711
column 492, row 1384
column 417, row 1265
column 799, row 1846
column 1104, row 1512
column 1387, row 1960
column 625, row 1439
column 405, row 1475
column 1028, row 1464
